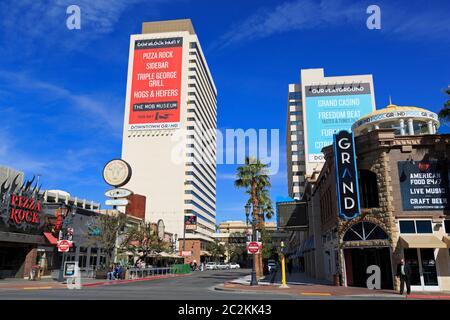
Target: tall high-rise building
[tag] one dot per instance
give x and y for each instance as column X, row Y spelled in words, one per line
column 318, row 107
column 169, row 136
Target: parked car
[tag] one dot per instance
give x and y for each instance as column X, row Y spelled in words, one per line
column 223, row 266
column 234, row 266
column 211, row 266
column 272, row 266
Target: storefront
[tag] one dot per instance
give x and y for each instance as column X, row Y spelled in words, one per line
column 404, row 204
column 23, row 222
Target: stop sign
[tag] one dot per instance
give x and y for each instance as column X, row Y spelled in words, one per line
column 64, row 246
column 253, row 247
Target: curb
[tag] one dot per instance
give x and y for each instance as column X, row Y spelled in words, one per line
column 102, row 283
column 113, row 282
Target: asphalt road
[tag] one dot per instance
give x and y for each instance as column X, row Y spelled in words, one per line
column 198, row 286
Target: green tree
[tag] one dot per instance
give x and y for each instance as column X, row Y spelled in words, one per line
column 236, row 247
column 444, row 114
column 216, row 249
column 268, row 248
column 109, row 227
column 143, row 240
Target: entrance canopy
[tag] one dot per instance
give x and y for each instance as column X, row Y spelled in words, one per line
column 421, row 241
column 446, row 239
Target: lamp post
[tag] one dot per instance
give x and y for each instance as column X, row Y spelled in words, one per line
column 254, row 280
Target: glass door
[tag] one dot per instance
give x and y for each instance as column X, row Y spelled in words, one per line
column 429, row 271
column 423, row 269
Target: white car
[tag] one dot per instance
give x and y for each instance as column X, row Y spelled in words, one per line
column 211, row 266
column 223, row 266
column 234, row 266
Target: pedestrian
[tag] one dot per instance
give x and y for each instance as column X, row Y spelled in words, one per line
column 404, row 273
column 110, row 274
column 289, row 266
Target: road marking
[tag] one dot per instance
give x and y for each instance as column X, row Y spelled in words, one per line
column 315, row 294
column 36, row 288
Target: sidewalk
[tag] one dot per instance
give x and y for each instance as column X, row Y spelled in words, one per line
column 301, row 285
column 48, row 283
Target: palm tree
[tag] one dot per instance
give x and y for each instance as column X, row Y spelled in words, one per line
column 254, row 176
column 444, row 114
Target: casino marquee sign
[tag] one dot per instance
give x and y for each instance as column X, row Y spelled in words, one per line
column 21, row 205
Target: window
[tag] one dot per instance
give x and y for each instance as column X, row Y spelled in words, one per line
column 447, row 226
column 423, row 226
column 407, row 226
column 368, row 189
column 415, row 226
column 294, row 95
column 365, row 231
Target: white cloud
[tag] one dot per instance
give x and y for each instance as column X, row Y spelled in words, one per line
column 423, row 23
column 101, row 113
column 27, row 22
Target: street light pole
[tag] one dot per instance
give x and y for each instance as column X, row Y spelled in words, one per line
column 254, row 280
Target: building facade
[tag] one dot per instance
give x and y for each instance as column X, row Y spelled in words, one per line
column 318, row 107
column 404, row 199
column 169, row 136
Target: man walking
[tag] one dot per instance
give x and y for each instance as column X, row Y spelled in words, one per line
column 404, row 272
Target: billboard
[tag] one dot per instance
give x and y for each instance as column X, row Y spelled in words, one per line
column 346, row 175
column 330, row 109
column 424, row 185
column 292, row 215
column 190, row 222
column 154, row 100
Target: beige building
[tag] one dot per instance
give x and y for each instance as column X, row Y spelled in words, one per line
column 404, row 199
column 169, row 136
column 315, row 105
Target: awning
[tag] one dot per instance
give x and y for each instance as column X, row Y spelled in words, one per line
column 51, row 238
column 421, row 241
column 446, row 239
column 205, row 253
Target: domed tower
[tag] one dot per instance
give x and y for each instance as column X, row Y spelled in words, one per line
column 405, row 119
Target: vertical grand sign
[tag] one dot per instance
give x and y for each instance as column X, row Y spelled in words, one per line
column 346, row 175
column 156, row 84
column 330, row 109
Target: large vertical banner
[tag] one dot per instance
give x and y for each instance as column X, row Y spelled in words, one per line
column 346, row 175
column 330, row 109
column 156, row 84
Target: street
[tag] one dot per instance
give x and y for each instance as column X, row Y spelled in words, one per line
column 197, row 286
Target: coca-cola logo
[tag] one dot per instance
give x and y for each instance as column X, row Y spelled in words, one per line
column 424, row 166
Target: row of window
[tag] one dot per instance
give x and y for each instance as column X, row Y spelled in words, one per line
column 295, row 95
column 420, row 226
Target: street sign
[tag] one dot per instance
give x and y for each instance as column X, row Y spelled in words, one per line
column 254, row 247
column 186, row 253
column 70, row 269
column 64, row 245
column 116, row 202
column 118, row 193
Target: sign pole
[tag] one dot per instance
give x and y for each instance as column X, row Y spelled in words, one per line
column 254, row 281
column 283, row 267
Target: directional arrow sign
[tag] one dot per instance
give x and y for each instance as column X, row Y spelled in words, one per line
column 116, row 202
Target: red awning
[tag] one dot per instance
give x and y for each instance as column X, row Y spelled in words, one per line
column 51, row 238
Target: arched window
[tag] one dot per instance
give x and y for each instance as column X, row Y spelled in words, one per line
column 368, row 189
column 363, row 231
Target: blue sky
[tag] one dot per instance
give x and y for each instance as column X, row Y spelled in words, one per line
column 62, row 92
